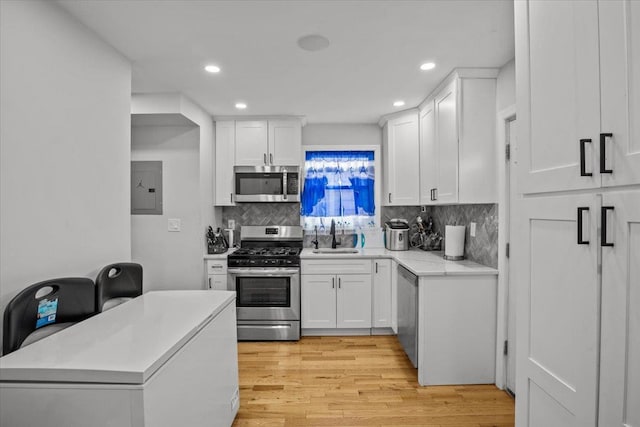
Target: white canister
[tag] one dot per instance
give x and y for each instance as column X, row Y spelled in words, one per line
column 229, row 236
column 454, row 242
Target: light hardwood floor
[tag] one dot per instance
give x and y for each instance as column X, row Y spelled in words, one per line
column 354, row 381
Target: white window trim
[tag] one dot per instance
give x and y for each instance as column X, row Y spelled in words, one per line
column 377, row 187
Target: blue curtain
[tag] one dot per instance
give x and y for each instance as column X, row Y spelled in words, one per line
column 338, row 183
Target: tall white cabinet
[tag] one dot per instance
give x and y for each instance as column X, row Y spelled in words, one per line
column 578, row 280
column 401, row 164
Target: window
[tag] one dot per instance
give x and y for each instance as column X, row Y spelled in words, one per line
column 340, row 186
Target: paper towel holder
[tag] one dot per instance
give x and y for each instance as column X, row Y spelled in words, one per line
column 454, row 242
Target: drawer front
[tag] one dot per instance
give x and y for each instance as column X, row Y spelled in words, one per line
column 336, row 266
column 217, row 266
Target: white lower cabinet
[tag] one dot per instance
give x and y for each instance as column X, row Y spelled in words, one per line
column 382, row 295
column 216, row 275
column 330, row 301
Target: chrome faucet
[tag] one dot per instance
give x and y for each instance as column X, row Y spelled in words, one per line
column 315, row 242
column 333, row 235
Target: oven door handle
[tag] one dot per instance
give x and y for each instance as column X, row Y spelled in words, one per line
column 263, row 272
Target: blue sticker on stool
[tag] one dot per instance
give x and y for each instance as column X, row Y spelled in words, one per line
column 47, row 309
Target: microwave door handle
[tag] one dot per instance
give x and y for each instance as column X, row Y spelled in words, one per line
column 284, row 185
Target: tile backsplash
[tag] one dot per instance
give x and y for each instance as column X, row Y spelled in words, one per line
column 483, row 248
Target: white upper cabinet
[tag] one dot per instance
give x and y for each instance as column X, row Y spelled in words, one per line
column 579, row 61
column 266, row 143
column 285, row 142
column 446, row 118
column 620, row 90
column 428, row 153
column 457, row 140
column 251, row 143
column 401, row 163
column 225, row 157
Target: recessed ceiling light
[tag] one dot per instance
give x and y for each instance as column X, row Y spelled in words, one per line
column 241, row 105
column 427, row 66
column 313, row 42
column 398, row 103
column 212, row 68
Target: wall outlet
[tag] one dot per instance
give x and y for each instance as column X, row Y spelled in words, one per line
column 232, row 224
column 472, row 229
column 174, row 224
column 423, row 208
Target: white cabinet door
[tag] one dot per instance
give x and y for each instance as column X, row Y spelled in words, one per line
column 446, row 119
column 558, row 93
column 225, row 158
column 428, row 154
column 285, row 142
column 402, row 162
column 382, row 293
column 251, row 143
column 620, row 341
column 217, row 282
column 558, row 307
column 354, row 301
column 318, row 296
column 620, row 90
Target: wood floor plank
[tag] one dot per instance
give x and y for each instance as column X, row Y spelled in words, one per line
column 354, row 381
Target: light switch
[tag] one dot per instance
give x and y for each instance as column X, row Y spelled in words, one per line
column 472, row 229
column 174, row 224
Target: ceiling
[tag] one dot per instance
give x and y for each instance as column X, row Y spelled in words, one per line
column 373, row 59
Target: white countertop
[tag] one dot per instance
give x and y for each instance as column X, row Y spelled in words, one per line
column 124, row 345
column 419, row 262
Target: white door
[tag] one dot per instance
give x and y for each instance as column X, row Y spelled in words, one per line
column 318, row 300
column 428, row 160
column 251, row 143
column 620, row 340
column 403, row 163
column 558, row 309
column 620, row 91
column 382, row 293
column 354, row 301
column 285, row 142
column 558, row 93
column 446, row 116
column 512, row 195
column 225, row 159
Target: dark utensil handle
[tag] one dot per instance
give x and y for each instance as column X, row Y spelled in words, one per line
column 603, row 225
column 580, row 240
column 603, row 140
column 583, row 166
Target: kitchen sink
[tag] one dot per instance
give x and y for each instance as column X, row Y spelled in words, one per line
column 335, row 251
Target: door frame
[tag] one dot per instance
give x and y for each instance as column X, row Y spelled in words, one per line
column 503, row 118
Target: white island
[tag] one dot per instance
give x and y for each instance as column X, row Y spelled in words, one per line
column 166, row 358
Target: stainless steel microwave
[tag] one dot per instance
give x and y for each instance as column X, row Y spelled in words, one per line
column 267, row 183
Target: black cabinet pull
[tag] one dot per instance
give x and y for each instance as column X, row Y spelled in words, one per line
column 389, row 197
column 583, row 167
column 580, row 240
column 376, row 268
column 603, row 225
column 432, row 196
column 603, row 140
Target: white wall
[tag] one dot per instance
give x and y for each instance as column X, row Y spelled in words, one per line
column 341, row 134
column 506, row 86
column 64, row 148
column 171, row 260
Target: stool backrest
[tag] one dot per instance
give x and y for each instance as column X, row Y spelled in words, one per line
column 120, row 280
column 64, row 300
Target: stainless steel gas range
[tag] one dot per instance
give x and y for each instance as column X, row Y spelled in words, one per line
column 265, row 273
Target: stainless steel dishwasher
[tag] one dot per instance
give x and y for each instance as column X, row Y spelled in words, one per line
column 408, row 313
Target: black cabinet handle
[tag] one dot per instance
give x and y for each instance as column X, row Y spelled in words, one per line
column 432, row 196
column 583, row 167
column 389, row 197
column 580, row 240
column 603, row 225
column 376, row 268
column 264, row 158
column 231, row 197
column 603, row 140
